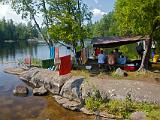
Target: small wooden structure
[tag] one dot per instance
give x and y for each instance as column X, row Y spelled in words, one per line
column 110, row 42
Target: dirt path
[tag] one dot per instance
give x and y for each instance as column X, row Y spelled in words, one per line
column 140, row 91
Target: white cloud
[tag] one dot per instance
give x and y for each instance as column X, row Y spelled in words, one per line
column 98, row 12
column 7, row 12
column 3, row 9
column 96, row 1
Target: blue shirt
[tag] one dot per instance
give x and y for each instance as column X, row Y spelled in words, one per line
column 122, row 61
column 101, row 58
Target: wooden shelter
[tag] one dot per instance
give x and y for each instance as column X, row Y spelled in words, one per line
column 110, row 42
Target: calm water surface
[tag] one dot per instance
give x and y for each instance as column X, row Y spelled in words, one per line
column 31, row 107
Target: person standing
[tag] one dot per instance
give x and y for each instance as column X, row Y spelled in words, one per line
column 117, row 54
column 140, row 50
column 97, row 51
column 101, row 59
column 111, row 58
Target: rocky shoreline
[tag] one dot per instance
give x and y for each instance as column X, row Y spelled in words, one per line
column 71, row 91
column 66, row 90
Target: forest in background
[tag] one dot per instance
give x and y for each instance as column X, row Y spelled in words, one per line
column 16, row 31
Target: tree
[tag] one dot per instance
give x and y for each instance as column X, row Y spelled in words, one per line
column 71, row 21
column 31, row 30
column 138, row 17
column 66, row 19
column 32, row 9
column 16, row 32
column 105, row 27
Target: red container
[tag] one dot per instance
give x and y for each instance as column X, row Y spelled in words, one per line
column 130, row 68
column 65, row 66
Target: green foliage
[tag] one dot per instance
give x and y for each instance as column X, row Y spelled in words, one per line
column 124, row 49
column 36, row 62
column 154, row 115
column 104, row 27
column 136, row 17
column 67, row 21
column 145, row 107
column 129, row 51
column 157, row 40
column 72, row 21
column 93, row 104
column 11, row 31
column 125, row 108
column 31, row 9
column 122, row 108
column 115, row 75
column 94, row 101
column 117, row 108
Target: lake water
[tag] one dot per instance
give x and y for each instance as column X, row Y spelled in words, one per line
column 14, row 51
column 31, row 107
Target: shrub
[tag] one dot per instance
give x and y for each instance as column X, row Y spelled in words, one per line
column 94, row 101
column 36, row 62
column 93, row 104
column 154, row 115
column 121, row 108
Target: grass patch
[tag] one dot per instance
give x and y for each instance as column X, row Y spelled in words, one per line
column 114, row 75
column 121, row 108
column 84, row 73
column 36, row 62
column 94, row 101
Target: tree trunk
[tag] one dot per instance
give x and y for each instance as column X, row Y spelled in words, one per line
column 146, row 56
column 47, row 39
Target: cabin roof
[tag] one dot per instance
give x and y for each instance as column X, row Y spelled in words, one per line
column 110, row 42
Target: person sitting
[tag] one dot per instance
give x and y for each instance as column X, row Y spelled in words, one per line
column 101, row 59
column 97, row 52
column 153, row 52
column 111, row 58
column 117, row 54
column 78, row 57
column 122, row 60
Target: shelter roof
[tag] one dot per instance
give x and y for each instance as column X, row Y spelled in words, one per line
column 110, row 42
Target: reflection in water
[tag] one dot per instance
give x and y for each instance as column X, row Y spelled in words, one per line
column 31, row 107
column 20, row 109
column 13, row 51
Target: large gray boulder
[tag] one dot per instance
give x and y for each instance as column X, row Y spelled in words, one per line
column 50, row 79
column 40, row 91
column 26, row 76
column 72, row 89
column 120, row 72
column 68, row 104
column 20, row 90
column 15, row 70
column 138, row 116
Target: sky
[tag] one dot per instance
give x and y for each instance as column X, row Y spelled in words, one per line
column 98, row 7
